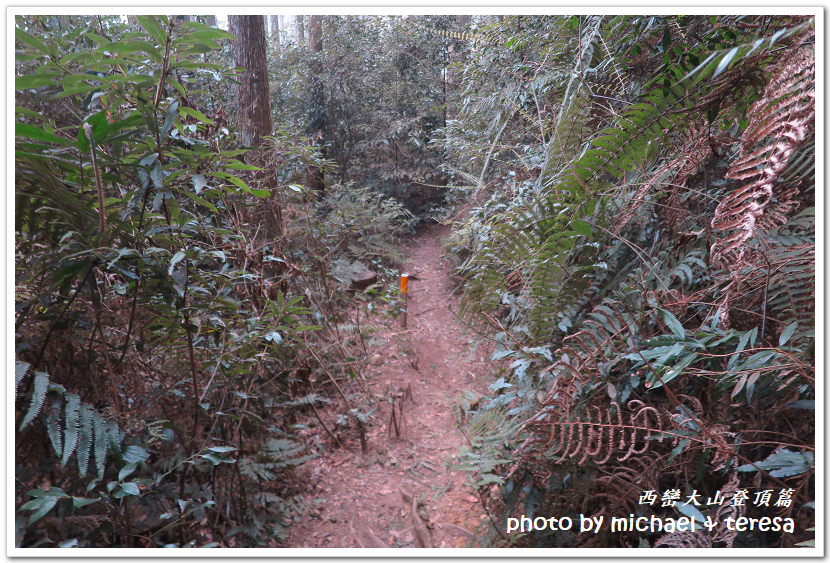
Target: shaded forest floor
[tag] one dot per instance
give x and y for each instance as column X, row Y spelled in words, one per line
column 364, row 500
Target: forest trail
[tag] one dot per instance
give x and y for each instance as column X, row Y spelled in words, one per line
column 359, row 500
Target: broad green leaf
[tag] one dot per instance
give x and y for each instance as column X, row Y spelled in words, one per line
column 259, row 193
column 499, row 354
column 234, row 180
column 80, row 502
column 678, row 449
column 201, row 201
column 581, row 227
column 170, row 118
column 198, row 115
column 177, row 257
column 236, row 165
column 175, row 83
column 157, row 176
column 130, row 47
column 724, row 62
column 149, row 159
column 217, row 459
column 38, row 134
column 95, row 38
column 672, row 322
column 30, row 40
column 274, row 337
column 36, row 80
column 134, row 454
column 153, row 28
column 788, row 333
column 211, row 34
column 41, row 507
column 130, row 489
column 127, row 470
column 199, row 182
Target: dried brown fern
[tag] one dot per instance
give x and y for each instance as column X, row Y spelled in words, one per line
column 694, row 149
column 779, row 123
column 726, row 510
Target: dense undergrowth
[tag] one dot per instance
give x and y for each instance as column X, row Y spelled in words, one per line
column 643, row 245
column 175, row 318
column 640, row 238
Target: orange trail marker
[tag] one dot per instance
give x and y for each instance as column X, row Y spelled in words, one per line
column 405, row 292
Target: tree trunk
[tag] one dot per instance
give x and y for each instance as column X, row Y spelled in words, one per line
column 254, row 108
column 210, row 20
column 317, row 119
column 315, row 33
column 253, row 97
column 300, row 30
column 275, row 29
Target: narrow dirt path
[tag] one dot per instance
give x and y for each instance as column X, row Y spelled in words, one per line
column 362, row 500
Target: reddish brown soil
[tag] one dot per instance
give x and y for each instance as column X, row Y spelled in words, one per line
column 358, row 498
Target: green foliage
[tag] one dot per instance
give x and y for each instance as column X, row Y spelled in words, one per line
column 385, row 97
column 128, row 258
column 642, row 355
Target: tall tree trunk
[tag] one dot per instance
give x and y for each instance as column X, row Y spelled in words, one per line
column 253, row 98
column 315, row 33
column 317, row 119
column 300, row 30
column 275, row 29
column 254, row 106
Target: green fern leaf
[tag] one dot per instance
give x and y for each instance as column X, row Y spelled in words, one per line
column 20, row 369
column 85, row 429
column 53, row 424
column 38, row 397
column 100, row 444
column 73, row 403
column 114, row 436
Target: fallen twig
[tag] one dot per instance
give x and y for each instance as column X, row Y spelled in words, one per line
column 422, row 536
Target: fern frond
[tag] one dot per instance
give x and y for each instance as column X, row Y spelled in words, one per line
column 114, row 436
column 53, row 424
column 73, row 404
column 781, row 120
column 598, row 438
column 85, row 437
column 676, row 171
column 20, row 370
column 101, row 441
column 41, row 386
